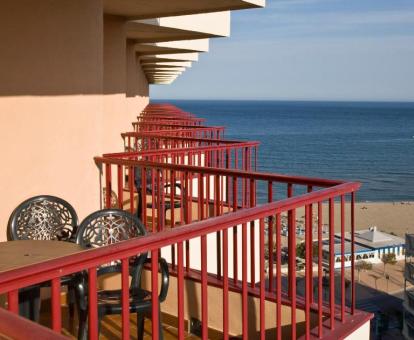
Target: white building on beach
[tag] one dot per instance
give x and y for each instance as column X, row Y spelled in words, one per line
column 370, row 245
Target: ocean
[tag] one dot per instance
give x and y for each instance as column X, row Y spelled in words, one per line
column 368, row 142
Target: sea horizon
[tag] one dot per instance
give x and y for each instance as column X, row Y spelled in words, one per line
column 367, row 141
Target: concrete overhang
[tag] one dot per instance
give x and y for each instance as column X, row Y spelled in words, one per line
column 169, row 57
column 172, row 69
column 161, row 78
column 181, row 46
column 145, row 9
column 147, row 65
column 165, row 73
column 184, row 27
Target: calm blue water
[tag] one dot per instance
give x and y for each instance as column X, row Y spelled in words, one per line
column 368, row 142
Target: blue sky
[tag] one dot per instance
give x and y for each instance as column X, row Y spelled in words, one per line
column 308, row 50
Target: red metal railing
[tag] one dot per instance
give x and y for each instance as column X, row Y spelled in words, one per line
column 242, row 220
column 230, row 221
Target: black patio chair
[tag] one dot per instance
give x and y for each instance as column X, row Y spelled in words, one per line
column 102, row 228
column 168, row 205
column 43, row 217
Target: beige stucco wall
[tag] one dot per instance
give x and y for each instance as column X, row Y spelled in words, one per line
column 125, row 88
column 61, row 100
column 192, row 309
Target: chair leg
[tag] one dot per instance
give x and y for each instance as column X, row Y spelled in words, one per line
column 29, row 303
column 100, row 317
column 140, row 325
column 71, row 301
column 160, row 329
column 83, row 325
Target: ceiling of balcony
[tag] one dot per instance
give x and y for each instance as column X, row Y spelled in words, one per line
column 142, row 9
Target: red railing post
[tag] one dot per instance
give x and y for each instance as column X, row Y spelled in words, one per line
column 13, row 301
column 108, row 181
column 56, row 311
column 125, row 298
column 262, row 279
column 180, row 290
column 225, row 286
column 93, row 304
column 292, row 274
column 204, row 298
column 154, row 295
column 342, row 258
column 308, row 270
column 320, row 271
column 278, row 278
column 270, row 235
column 331, row 263
column 353, row 293
column 245, row 327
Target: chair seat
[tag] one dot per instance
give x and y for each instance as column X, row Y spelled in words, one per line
column 110, row 301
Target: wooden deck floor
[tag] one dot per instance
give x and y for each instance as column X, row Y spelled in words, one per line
column 111, row 327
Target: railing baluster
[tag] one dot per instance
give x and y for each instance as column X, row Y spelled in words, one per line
column 204, row 297
column 320, row 271
column 342, row 258
column 235, row 250
column 56, row 311
column 217, row 213
column 93, row 304
column 108, row 181
column 278, row 278
column 292, row 275
column 125, row 298
column 308, row 269
column 13, row 301
column 353, row 293
column 154, row 295
column 270, row 236
column 143, row 194
column 262, row 280
column 159, row 199
column 172, row 212
column 199, row 198
column 120, row 169
column 180, row 290
column 290, row 237
column 188, row 212
column 310, row 189
column 131, row 188
column 252, row 238
column 225, row 285
column 245, row 327
column 153, row 201
column 332, row 263
column 201, row 193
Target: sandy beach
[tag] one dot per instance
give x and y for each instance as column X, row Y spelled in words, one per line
column 396, row 217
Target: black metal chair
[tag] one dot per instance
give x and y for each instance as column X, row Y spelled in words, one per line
column 43, row 217
column 168, row 205
column 102, row 228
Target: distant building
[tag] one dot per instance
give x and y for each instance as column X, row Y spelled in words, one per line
column 370, row 245
column 408, row 327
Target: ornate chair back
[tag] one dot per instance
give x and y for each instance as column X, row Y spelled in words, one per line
column 43, row 218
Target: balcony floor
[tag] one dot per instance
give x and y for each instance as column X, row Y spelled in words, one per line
column 111, row 326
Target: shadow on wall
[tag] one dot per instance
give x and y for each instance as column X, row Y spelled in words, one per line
column 65, row 48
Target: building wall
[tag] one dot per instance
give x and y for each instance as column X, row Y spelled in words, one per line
column 54, row 115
